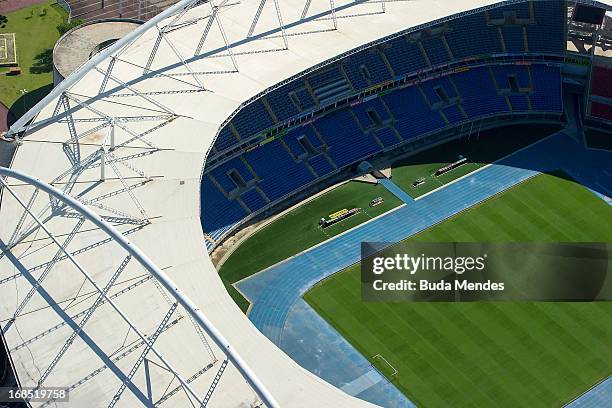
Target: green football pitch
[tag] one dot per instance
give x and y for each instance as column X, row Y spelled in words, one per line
column 498, row 354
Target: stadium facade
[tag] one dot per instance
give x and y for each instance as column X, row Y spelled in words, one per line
column 169, row 134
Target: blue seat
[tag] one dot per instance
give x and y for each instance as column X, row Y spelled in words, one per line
column 253, row 200
column 404, row 56
column 221, row 173
column 279, row 174
column 347, row 143
column 218, row 214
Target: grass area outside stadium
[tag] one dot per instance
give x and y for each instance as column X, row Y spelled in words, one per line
column 35, row 35
column 502, row 354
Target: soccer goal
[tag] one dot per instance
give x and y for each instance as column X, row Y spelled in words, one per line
column 384, row 367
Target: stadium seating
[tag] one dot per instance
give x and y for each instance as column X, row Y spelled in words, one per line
column 225, row 139
column 519, row 102
column 347, row 143
column 602, row 111
column 387, row 137
column 253, row 200
column 252, row 119
column 404, row 56
column 502, row 72
column 444, row 84
column 221, row 174
column 350, row 134
column 221, row 214
column 513, row 39
column 601, row 83
column 375, row 69
column 521, row 10
column 453, row 114
column 279, row 176
column 292, row 140
column 547, row 88
column 436, row 51
column 472, row 36
column 413, row 115
column 375, row 105
column 281, row 103
column 321, row 165
column 547, row 35
column 480, row 98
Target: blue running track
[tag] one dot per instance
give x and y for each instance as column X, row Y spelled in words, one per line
column 597, row 397
column 279, row 312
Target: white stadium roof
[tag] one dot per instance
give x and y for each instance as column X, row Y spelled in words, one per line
column 154, row 132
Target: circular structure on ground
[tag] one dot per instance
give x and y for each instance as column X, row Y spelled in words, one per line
column 78, row 45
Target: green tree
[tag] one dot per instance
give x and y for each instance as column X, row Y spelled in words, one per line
column 65, row 27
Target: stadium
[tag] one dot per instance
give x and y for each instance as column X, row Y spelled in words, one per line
column 182, row 216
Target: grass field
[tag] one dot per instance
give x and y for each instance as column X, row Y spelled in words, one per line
column 298, row 230
column 505, row 354
column 35, row 36
column 485, row 148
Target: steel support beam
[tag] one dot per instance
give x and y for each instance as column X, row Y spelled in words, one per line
column 173, row 289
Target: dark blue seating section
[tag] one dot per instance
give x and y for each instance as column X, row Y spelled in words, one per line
column 347, row 143
column 521, row 10
column 253, row 200
column 519, row 102
column 252, row 119
column 480, row 97
column 387, row 137
column 225, row 139
column 328, row 76
column 375, row 65
column 218, row 214
column 404, row 56
column 375, row 105
column 467, row 36
column 546, row 89
column 281, row 103
column 220, row 173
column 412, row 113
column 436, row 51
column 294, row 145
column 514, row 40
column 453, row 114
column 429, row 88
column 304, row 98
column 502, row 72
column 472, row 36
column 548, row 34
column 321, row 165
column 279, row 174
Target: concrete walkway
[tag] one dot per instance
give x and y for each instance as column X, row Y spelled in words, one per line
column 396, row 190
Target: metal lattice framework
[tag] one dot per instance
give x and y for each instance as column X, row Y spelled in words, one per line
column 98, row 297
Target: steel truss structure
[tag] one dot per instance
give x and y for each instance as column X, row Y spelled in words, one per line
column 127, row 136
column 92, row 297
